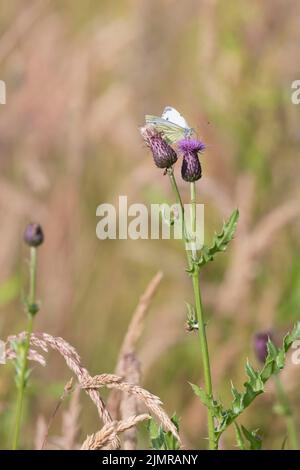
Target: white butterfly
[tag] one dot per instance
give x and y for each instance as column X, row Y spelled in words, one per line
column 171, row 124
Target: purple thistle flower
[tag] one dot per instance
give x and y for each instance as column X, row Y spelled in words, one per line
column 191, row 145
column 191, row 168
column 33, row 235
column 163, row 154
column 260, row 345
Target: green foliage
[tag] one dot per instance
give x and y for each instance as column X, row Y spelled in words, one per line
column 239, row 437
column 160, row 439
column 253, row 387
column 20, row 349
column 220, row 240
column 253, row 439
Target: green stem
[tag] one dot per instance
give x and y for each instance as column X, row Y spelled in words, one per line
column 286, row 411
column 32, row 283
column 198, row 304
column 31, row 310
column 193, row 202
column 193, row 215
column 170, row 172
column 205, row 357
column 202, row 328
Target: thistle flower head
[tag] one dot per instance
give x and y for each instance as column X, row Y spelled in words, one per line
column 33, row 235
column 191, row 168
column 260, row 345
column 191, row 146
column 163, row 154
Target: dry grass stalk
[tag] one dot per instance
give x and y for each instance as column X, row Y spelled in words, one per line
column 152, row 402
column 70, row 422
column 155, row 346
column 68, row 440
column 67, row 389
column 40, row 431
column 132, row 336
column 105, row 438
column 33, row 355
column 135, row 327
column 72, row 359
column 129, row 403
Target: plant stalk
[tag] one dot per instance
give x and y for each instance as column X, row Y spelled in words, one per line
column 193, row 218
column 31, row 303
column 198, row 302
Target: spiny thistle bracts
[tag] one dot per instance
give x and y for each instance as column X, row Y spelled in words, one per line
column 163, row 154
column 191, row 168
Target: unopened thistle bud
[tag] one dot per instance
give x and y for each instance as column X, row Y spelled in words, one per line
column 163, row 154
column 191, row 168
column 260, row 345
column 33, row 235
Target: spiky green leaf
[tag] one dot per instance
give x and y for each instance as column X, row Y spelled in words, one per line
column 253, row 387
column 220, row 240
column 160, row 439
column 253, row 439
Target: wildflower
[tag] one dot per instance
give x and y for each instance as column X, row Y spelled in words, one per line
column 33, row 235
column 260, row 345
column 191, row 168
column 163, row 154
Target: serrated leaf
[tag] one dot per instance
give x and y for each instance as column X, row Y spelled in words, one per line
column 291, row 337
column 272, row 350
column 239, row 437
column 275, row 361
column 206, row 399
column 220, row 240
column 237, row 404
column 252, row 437
column 155, row 434
column 255, row 380
column 160, row 439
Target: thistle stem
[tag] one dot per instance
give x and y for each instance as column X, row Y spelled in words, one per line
column 205, row 358
column 284, row 403
column 172, row 178
column 24, row 359
column 193, row 209
column 198, row 303
column 202, row 328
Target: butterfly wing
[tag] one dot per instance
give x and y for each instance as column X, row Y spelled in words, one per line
column 172, row 115
column 170, row 130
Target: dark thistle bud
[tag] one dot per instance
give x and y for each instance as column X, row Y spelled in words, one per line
column 191, row 168
column 163, row 154
column 260, row 345
column 33, row 235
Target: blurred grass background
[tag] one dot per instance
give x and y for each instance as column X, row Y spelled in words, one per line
column 80, row 77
